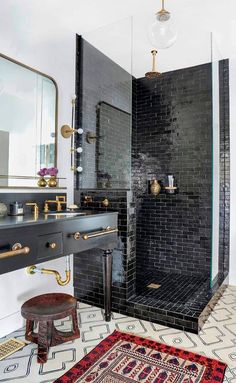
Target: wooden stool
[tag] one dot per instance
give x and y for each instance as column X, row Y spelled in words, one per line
column 44, row 309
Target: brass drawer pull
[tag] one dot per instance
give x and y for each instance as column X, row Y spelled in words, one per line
column 106, row 231
column 17, row 249
column 77, row 236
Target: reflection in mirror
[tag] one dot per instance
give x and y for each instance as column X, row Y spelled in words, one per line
column 28, row 113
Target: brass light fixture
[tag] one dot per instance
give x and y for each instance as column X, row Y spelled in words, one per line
column 162, row 33
column 68, row 131
column 154, row 73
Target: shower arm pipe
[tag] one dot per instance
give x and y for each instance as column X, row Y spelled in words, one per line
column 154, row 54
column 34, row 269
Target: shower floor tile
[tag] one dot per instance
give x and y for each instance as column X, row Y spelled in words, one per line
column 174, row 288
column 180, row 301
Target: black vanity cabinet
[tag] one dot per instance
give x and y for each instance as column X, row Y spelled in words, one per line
column 27, row 242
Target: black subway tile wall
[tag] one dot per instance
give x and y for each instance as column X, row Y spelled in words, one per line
column 164, row 240
column 174, row 137
column 88, row 265
column 100, row 80
column 113, row 146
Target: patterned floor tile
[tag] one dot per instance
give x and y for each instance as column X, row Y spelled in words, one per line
column 216, row 340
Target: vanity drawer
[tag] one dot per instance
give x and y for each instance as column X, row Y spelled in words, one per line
column 50, row 245
column 11, row 240
column 75, row 235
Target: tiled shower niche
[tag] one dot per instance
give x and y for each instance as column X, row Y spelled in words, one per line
column 161, row 269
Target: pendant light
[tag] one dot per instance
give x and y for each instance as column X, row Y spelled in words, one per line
column 162, row 33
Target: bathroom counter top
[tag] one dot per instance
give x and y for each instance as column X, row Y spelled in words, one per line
column 26, row 220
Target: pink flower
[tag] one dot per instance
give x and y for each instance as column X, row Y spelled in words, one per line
column 52, row 172
column 43, row 172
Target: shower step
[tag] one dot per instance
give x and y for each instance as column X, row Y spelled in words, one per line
column 188, row 317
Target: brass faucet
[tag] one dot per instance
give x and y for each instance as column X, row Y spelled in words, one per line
column 36, row 208
column 60, row 200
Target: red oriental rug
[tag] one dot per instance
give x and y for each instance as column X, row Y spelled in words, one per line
column 126, row 358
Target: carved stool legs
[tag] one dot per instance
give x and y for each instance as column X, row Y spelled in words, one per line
column 44, row 340
column 48, row 335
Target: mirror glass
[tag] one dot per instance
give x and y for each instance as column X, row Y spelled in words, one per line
column 28, row 114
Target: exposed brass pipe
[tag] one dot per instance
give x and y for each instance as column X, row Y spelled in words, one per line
column 34, row 269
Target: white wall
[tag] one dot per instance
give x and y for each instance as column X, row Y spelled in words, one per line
column 55, row 57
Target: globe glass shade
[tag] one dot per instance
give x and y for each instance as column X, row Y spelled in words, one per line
column 162, row 34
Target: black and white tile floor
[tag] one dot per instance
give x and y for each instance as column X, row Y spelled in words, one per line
column 217, row 340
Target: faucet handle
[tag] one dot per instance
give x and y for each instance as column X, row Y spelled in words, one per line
column 46, row 207
column 35, row 206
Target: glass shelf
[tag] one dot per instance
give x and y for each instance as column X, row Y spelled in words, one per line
column 28, row 182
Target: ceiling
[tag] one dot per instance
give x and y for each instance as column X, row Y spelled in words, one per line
column 53, row 20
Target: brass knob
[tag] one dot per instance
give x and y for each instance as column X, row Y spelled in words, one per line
column 105, row 202
column 77, row 236
column 52, row 245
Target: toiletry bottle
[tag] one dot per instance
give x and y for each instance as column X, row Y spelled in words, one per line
column 16, row 208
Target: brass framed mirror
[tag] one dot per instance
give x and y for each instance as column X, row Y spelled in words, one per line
column 28, row 123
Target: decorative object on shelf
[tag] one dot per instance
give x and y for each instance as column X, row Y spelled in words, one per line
column 52, row 182
column 162, row 33
column 154, row 73
column 42, row 183
column 155, row 187
column 16, row 208
column 105, row 202
column 171, row 188
column 3, row 210
column 88, row 199
column 104, row 180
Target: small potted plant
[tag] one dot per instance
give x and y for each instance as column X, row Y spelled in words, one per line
column 42, row 183
column 52, row 172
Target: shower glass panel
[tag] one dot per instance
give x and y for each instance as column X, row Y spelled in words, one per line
column 106, row 105
column 216, row 161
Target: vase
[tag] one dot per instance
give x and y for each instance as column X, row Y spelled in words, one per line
column 52, row 182
column 42, row 183
column 3, row 210
column 155, row 187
